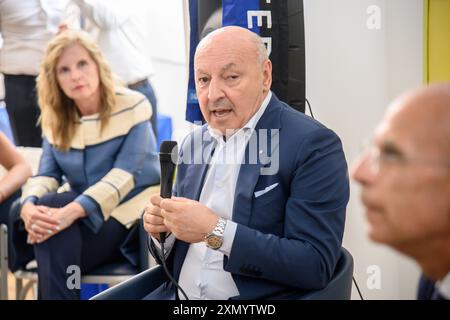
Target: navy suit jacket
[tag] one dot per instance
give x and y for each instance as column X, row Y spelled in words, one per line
column 287, row 240
column 427, row 290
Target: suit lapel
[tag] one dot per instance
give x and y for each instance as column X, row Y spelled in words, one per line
column 250, row 171
column 197, row 172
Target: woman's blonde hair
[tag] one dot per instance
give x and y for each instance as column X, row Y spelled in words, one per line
column 58, row 112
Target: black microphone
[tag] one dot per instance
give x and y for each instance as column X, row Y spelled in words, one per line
column 168, row 157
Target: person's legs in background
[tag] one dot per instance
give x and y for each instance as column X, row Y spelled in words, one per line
column 146, row 89
column 23, row 110
column 76, row 246
column 5, row 207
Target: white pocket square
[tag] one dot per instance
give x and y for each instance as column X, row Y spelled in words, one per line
column 267, row 189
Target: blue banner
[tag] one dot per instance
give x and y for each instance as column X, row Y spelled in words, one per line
column 193, row 112
column 268, row 19
column 237, row 13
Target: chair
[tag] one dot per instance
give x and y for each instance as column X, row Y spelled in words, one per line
column 139, row 286
column 3, row 262
column 340, row 286
column 111, row 274
column 135, row 288
column 165, row 129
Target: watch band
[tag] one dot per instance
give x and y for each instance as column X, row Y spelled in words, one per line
column 214, row 239
column 220, row 227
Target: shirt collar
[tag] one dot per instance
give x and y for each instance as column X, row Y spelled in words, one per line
column 444, row 286
column 250, row 125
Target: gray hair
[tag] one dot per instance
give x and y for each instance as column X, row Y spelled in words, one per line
column 261, row 50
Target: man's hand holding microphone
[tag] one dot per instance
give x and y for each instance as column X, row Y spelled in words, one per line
column 187, row 219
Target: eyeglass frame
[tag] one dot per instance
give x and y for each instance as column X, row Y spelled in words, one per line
column 376, row 156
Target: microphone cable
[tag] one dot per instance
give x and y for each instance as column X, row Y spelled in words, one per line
column 357, row 288
column 310, row 110
column 162, row 257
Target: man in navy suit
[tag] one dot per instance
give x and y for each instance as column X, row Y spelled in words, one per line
column 261, row 191
column 405, row 179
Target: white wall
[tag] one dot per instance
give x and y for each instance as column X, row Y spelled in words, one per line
column 166, row 47
column 352, row 74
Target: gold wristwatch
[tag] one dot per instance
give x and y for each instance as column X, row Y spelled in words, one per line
column 214, row 239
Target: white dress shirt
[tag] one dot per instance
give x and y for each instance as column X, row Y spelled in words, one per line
column 26, row 27
column 120, row 36
column 202, row 275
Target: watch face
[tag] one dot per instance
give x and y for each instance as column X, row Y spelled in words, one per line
column 214, row 242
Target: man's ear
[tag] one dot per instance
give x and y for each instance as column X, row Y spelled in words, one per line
column 267, row 75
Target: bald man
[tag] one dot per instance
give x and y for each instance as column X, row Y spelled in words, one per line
column 405, row 179
column 261, row 190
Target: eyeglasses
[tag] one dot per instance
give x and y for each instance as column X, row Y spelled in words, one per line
column 389, row 156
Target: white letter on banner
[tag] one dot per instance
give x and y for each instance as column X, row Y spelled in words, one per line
column 259, row 14
column 268, row 42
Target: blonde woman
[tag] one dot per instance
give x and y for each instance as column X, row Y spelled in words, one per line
column 98, row 139
column 18, row 171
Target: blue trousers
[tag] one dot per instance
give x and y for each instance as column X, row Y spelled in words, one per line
column 23, row 110
column 75, row 246
column 5, row 207
column 147, row 90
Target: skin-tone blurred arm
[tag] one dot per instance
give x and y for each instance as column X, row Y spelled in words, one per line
column 18, row 172
column 46, row 223
column 18, row 169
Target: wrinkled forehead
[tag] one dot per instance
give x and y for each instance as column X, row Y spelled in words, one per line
column 221, row 62
column 224, row 47
column 413, row 130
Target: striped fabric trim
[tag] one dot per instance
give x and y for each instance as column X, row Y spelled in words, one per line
column 96, row 119
column 111, row 189
column 38, row 186
column 132, row 108
column 113, row 186
column 130, row 211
